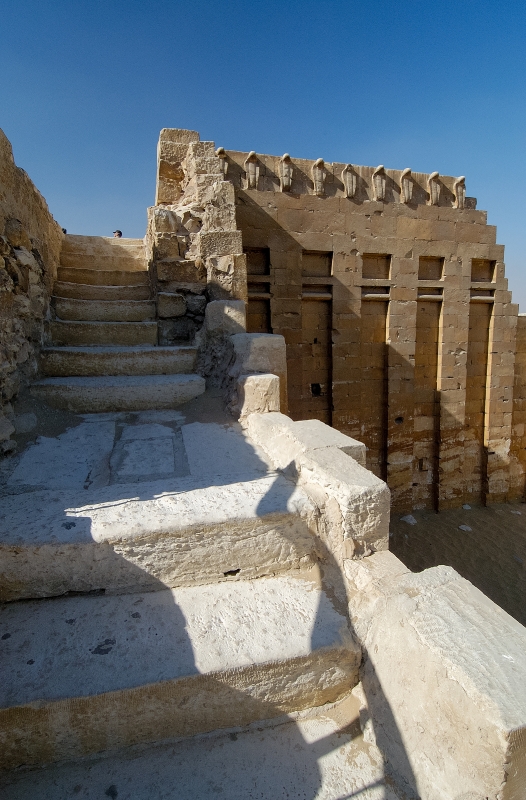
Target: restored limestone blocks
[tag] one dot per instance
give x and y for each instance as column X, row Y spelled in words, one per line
column 518, row 435
column 257, row 394
column 443, row 680
column 353, row 503
column 191, row 660
column 261, row 354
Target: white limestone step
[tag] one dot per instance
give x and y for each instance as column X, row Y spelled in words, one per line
column 86, row 674
column 64, row 332
column 86, row 291
column 103, row 277
column 321, row 754
column 89, row 395
column 136, row 360
column 129, row 537
column 104, row 310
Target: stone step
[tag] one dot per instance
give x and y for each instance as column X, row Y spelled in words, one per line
column 84, row 291
column 127, row 537
column 75, row 242
column 118, row 392
column 101, row 277
column 320, row 754
column 86, row 674
column 101, row 252
column 101, row 333
column 104, row 310
column 114, row 262
column 139, row 360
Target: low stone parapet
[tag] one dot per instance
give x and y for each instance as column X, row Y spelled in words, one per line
column 353, row 503
column 443, row 680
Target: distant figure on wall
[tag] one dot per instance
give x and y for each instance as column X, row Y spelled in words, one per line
column 117, row 234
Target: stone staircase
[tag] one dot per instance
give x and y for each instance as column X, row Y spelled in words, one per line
column 105, row 355
column 155, row 611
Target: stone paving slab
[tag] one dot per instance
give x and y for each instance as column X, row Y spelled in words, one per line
column 65, row 462
column 130, row 448
column 221, row 450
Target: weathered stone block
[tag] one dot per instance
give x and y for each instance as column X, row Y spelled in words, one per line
column 292, row 438
column 220, row 243
column 170, row 305
column 170, row 247
column 16, row 234
column 444, row 675
column 195, row 304
column 355, row 502
column 261, row 352
column 178, row 135
column 180, row 270
column 257, row 394
column 164, row 220
column 171, row 152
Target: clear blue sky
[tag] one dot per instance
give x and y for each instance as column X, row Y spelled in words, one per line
column 85, row 88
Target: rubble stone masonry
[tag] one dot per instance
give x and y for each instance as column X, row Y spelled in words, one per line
column 30, row 242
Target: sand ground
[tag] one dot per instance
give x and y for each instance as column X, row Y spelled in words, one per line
column 492, row 554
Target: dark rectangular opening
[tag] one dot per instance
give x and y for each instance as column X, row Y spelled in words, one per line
column 482, row 269
column 258, row 260
column 258, row 315
column 430, row 268
column 377, row 267
column 316, row 265
column 258, row 307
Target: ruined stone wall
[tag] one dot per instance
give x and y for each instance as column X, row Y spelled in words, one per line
column 30, row 241
column 195, row 250
column 389, row 289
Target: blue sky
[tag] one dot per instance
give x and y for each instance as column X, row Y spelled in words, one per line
column 85, row 88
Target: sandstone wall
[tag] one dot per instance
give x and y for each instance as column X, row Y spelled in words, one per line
column 30, row 241
column 399, row 325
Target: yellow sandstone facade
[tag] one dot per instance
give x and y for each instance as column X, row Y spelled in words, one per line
column 389, row 289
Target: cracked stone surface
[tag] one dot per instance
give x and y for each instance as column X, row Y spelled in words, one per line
column 319, row 756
